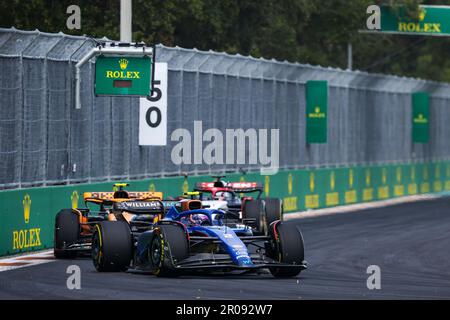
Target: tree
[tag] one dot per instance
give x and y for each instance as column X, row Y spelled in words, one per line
column 306, row 31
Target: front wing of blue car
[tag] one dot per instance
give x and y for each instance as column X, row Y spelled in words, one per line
column 223, row 262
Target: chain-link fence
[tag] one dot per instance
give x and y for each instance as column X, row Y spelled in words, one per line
column 45, row 140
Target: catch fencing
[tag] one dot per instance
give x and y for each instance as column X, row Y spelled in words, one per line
column 44, row 140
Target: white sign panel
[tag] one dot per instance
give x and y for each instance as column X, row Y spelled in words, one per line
column 153, row 111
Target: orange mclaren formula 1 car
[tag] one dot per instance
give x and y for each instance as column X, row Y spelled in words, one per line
column 74, row 227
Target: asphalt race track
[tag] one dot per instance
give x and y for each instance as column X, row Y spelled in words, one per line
column 409, row 242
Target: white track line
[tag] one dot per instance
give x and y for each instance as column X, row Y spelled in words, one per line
column 359, row 206
column 26, row 260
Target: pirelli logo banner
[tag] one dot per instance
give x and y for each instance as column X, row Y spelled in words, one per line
column 129, row 76
column 316, row 111
column 430, row 20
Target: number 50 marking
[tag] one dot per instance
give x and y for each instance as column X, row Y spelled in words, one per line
column 148, row 117
column 153, row 110
column 156, row 95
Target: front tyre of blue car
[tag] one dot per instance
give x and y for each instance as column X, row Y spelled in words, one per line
column 168, row 246
column 288, row 248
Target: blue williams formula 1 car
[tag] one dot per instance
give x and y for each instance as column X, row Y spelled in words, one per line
column 190, row 238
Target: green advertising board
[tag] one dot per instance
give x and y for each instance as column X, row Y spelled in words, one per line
column 123, row 75
column 28, row 215
column 316, row 111
column 431, row 20
column 420, row 117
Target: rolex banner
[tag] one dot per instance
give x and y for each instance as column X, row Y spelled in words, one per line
column 420, row 117
column 316, row 111
column 123, row 76
column 430, row 20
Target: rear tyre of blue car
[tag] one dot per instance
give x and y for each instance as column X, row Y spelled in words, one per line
column 288, row 247
column 168, row 246
column 111, row 246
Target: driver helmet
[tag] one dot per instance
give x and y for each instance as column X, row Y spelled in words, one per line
column 198, row 219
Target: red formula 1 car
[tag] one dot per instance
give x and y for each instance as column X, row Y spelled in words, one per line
column 244, row 200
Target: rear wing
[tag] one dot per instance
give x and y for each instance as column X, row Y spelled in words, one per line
column 202, row 186
column 169, row 203
column 137, row 206
column 245, row 186
column 101, row 197
column 240, row 187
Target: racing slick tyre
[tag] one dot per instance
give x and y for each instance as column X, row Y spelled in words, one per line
column 168, row 246
column 67, row 230
column 274, row 210
column 287, row 247
column 254, row 209
column 112, row 246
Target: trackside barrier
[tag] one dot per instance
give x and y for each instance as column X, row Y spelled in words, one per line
column 27, row 215
column 44, row 140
